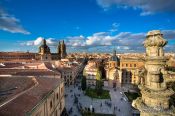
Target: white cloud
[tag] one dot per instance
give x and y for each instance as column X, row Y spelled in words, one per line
column 123, row 41
column 169, row 34
column 76, row 41
column 10, row 23
column 147, row 6
column 104, row 42
column 38, row 41
column 51, row 41
column 101, row 38
column 115, row 27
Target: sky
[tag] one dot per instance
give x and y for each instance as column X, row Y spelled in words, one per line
column 85, row 25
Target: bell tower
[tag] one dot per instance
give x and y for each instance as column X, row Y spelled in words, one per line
column 63, row 50
column 44, row 51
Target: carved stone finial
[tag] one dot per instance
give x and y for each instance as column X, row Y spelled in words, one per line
column 155, row 38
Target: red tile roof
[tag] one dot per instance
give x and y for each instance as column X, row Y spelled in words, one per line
column 25, row 102
column 28, row 72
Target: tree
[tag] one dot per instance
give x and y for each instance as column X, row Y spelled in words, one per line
column 99, row 82
column 84, row 73
column 101, row 66
column 83, row 83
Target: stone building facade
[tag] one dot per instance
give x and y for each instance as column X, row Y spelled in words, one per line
column 45, row 54
column 44, row 51
column 156, row 96
column 122, row 72
column 113, row 72
column 90, row 72
column 8, row 56
column 129, row 68
column 36, row 92
column 52, row 105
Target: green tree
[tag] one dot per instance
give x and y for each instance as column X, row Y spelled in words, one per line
column 84, row 73
column 99, row 82
column 83, row 83
column 101, row 66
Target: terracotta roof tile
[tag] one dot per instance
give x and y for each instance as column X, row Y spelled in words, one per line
column 25, row 102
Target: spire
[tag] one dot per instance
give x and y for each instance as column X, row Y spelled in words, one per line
column 59, row 47
column 114, row 52
column 59, row 43
column 44, row 42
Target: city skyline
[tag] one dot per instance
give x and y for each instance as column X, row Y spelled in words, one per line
column 85, row 25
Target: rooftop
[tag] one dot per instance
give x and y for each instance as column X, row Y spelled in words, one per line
column 30, row 96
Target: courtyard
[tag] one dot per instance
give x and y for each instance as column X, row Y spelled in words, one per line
column 117, row 104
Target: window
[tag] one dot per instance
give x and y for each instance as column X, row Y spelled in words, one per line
column 57, row 95
column 130, row 74
column 130, row 65
column 60, row 105
column 126, row 65
column 134, row 65
column 50, row 104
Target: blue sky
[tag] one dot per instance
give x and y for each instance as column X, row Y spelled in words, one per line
column 85, row 25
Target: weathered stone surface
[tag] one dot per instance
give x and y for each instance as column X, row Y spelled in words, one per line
column 155, row 100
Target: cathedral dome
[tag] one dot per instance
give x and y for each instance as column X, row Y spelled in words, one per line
column 114, row 57
column 44, row 48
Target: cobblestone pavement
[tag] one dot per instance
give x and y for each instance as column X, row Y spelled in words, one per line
column 99, row 104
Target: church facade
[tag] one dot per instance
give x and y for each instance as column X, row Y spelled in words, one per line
column 122, row 72
column 45, row 53
column 113, row 72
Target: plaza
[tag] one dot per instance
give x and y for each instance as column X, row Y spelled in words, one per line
column 117, row 105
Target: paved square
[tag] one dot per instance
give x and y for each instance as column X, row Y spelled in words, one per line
column 123, row 108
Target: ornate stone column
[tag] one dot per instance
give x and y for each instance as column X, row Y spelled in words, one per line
column 155, row 100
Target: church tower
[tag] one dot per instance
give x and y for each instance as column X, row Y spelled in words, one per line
column 113, row 74
column 156, row 96
column 44, row 51
column 114, row 60
column 59, row 49
column 63, row 50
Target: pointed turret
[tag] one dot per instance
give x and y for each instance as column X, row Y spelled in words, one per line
column 114, row 52
column 44, row 49
column 114, row 60
column 63, row 50
column 44, row 42
column 59, row 48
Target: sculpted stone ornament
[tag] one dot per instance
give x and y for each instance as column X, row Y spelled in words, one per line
column 154, row 43
column 141, row 74
column 156, row 96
